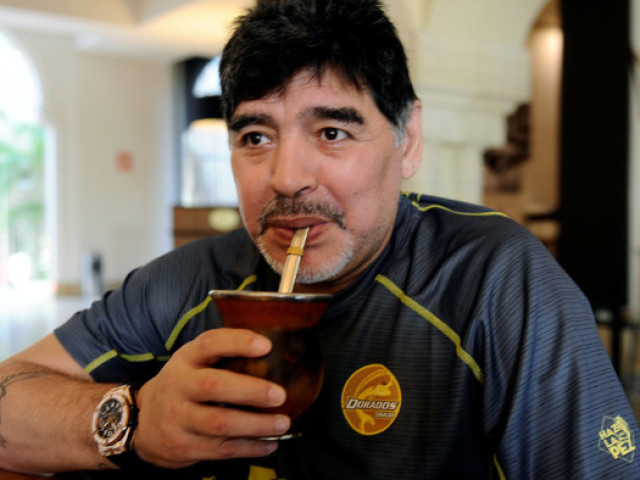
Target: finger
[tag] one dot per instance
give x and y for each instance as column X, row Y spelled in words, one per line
column 213, row 344
column 187, row 450
column 228, row 422
column 207, row 448
column 223, row 386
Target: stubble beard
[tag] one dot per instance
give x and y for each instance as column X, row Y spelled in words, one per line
column 307, row 274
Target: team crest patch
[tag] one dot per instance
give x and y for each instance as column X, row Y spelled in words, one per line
column 371, row 399
column 616, row 438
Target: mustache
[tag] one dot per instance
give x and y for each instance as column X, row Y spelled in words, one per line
column 282, row 207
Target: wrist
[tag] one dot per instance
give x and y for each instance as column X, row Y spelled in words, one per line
column 113, row 424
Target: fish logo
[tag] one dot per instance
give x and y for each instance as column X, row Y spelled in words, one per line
column 371, row 399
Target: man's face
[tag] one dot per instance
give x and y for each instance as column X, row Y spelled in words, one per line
column 320, row 154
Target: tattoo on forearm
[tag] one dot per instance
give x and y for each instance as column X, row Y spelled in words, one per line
column 10, row 380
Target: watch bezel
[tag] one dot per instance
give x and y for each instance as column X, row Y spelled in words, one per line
column 119, row 427
column 119, row 441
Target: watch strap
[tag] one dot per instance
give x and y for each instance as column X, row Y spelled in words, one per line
column 128, row 460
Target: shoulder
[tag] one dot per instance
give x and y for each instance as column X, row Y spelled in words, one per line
column 218, row 250
column 448, row 247
column 451, row 226
column 213, row 262
column 447, row 212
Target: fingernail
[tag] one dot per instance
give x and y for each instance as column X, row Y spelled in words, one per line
column 269, row 447
column 261, row 344
column 277, row 395
column 281, row 423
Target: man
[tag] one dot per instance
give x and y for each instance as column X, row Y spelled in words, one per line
column 454, row 346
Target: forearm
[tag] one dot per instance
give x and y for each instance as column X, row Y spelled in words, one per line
column 45, row 419
column 47, row 402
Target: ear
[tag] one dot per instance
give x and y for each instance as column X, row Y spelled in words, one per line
column 412, row 144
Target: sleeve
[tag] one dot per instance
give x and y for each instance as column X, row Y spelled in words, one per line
column 552, row 401
column 124, row 336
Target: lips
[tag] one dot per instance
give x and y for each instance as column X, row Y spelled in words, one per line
column 283, row 227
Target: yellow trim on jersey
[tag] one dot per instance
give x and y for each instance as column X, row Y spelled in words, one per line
column 248, row 281
column 183, row 322
column 436, row 322
column 141, row 357
column 433, row 206
column 261, row 473
column 105, row 357
column 173, row 337
column 501, row 474
column 468, row 214
column 197, row 309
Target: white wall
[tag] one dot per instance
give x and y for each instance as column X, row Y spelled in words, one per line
column 470, row 64
column 97, row 106
column 124, row 107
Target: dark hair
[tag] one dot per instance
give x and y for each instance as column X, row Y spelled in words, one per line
column 276, row 39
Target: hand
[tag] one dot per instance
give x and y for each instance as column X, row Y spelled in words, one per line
column 182, row 420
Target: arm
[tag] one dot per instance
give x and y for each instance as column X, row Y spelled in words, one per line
column 43, row 394
column 552, row 397
column 47, row 402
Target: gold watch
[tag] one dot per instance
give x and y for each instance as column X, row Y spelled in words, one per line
column 114, row 422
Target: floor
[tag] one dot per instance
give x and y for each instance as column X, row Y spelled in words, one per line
column 28, row 315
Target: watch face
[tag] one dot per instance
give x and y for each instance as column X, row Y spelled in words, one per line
column 111, row 418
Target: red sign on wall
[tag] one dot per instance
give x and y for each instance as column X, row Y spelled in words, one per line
column 124, row 161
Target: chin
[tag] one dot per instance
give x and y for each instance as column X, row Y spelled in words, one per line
column 326, row 273
column 325, row 270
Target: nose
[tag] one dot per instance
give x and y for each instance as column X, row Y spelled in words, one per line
column 293, row 169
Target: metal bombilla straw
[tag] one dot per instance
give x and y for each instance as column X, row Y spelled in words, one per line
column 292, row 263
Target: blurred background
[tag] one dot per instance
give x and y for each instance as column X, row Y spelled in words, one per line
column 112, row 151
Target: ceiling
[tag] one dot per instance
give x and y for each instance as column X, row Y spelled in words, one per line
column 165, row 30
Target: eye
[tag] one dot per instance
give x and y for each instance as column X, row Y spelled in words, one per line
column 254, row 139
column 333, row 134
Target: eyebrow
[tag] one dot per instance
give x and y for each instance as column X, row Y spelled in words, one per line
column 345, row 114
column 342, row 114
column 238, row 123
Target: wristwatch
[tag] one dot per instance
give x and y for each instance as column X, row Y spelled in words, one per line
column 114, row 422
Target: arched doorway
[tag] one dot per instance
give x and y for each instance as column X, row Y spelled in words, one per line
column 24, row 239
